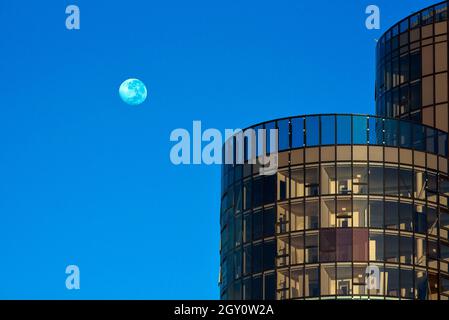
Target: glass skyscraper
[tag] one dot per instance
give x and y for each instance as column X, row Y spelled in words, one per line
column 352, row 193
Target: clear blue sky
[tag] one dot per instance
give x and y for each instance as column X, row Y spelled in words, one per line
column 87, row 180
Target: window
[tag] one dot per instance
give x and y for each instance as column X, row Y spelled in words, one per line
column 440, row 57
column 297, row 283
column 257, row 192
column 268, row 129
column 391, row 180
column 375, row 131
column 327, row 245
column 297, row 216
column 238, row 230
column 358, row 282
column 311, row 244
column 441, row 12
column 381, row 290
column 406, row 249
column 327, row 213
column 284, row 135
column 247, row 228
column 404, row 100
column 404, row 68
column 312, row 131
column 327, row 280
column 420, row 219
column 297, row 132
column 395, row 71
column 343, row 132
column 238, row 264
column 260, row 148
column 406, row 282
column 420, row 250
column 433, row 286
column 444, row 287
column 432, row 221
column 297, row 249
column 283, row 187
column 360, row 244
column 256, row 288
column 268, row 222
column 344, row 244
column 269, row 255
column 257, row 258
column 444, row 254
column 392, row 281
column 442, row 144
column 415, row 21
column 237, row 291
column 391, row 248
column 419, row 137
column 327, row 130
column 391, row 215
column 415, row 96
column 270, row 287
column 427, row 16
column 420, row 182
column 421, row 284
column 432, row 252
column 282, row 255
column 441, row 87
column 344, row 213
column 376, row 215
column 360, row 179
column 283, row 283
column 405, row 134
column 257, row 225
column 406, row 216
column 344, row 179
column 247, row 259
column 359, row 130
column 247, row 195
column 238, row 197
column 297, row 183
column 344, row 279
column 269, row 189
column 376, row 240
column 428, row 97
column 415, row 65
column 312, row 182
column 391, row 132
column 376, row 180
column 247, row 289
column 282, row 223
column 311, row 284
column 444, row 224
column 311, row 215
column 328, row 183
column 360, row 213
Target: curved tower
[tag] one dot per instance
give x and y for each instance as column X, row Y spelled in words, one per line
column 358, row 207
column 411, row 69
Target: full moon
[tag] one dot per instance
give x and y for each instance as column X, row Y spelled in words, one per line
column 133, row 92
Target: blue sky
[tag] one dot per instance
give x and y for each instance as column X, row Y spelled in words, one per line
column 87, row 180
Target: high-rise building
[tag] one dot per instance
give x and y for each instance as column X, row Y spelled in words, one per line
column 358, row 208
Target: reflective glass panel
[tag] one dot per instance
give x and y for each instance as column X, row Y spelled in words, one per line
column 344, row 130
column 312, row 131
column 359, row 130
column 327, row 130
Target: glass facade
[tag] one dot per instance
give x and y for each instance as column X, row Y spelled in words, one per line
column 334, row 208
column 352, row 193
column 412, row 69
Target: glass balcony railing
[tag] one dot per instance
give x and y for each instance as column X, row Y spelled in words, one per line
column 347, row 129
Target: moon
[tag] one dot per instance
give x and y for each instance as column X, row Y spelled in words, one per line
column 133, row 92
